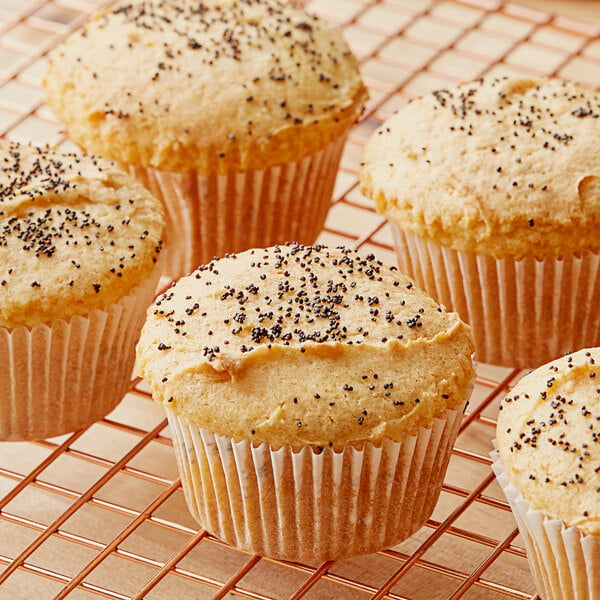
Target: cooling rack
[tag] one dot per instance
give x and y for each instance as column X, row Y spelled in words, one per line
column 100, row 513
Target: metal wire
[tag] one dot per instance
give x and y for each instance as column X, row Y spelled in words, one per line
column 120, row 521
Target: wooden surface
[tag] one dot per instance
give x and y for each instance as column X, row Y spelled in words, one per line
column 587, row 10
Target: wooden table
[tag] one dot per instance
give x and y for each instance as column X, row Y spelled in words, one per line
column 584, row 10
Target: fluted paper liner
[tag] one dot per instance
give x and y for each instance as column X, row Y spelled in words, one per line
column 563, row 561
column 211, row 215
column 523, row 313
column 314, row 504
column 62, row 376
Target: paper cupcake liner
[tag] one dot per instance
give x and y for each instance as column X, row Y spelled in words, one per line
column 523, row 313
column 209, row 216
column 314, row 504
column 62, row 376
column 564, row 562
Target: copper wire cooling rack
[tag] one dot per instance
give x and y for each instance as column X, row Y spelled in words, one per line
column 100, row 513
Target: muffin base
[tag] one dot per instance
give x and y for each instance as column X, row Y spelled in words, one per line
column 564, row 562
column 62, row 376
column 523, row 313
column 212, row 215
column 314, row 504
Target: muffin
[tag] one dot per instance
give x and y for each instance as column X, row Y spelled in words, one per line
column 548, row 463
column 493, row 192
column 79, row 244
column 233, row 112
column 313, row 396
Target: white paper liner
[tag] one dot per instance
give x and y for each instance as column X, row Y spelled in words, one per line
column 59, row 377
column 209, row 216
column 564, row 562
column 312, row 506
column 523, row 313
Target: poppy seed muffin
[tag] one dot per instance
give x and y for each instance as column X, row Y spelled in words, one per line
column 548, row 441
column 79, row 243
column 493, row 190
column 233, row 112
column 312, row 356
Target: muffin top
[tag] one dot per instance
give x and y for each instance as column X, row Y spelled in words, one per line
column 76, row 234
column 549, row 439
column 304, row 345
column 213, row 86
column 500, row 167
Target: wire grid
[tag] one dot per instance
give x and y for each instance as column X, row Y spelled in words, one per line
column 100, row 513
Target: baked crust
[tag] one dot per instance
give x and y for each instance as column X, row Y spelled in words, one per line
column 501, row 167
column 213, row 87
column 298, row 345
column 549, row 439
column 76, row 234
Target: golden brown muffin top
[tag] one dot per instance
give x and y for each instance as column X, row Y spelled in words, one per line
column 304, row 345
column 213, row 86
column 549, row 439
column 76, row 234
column 500, row 167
